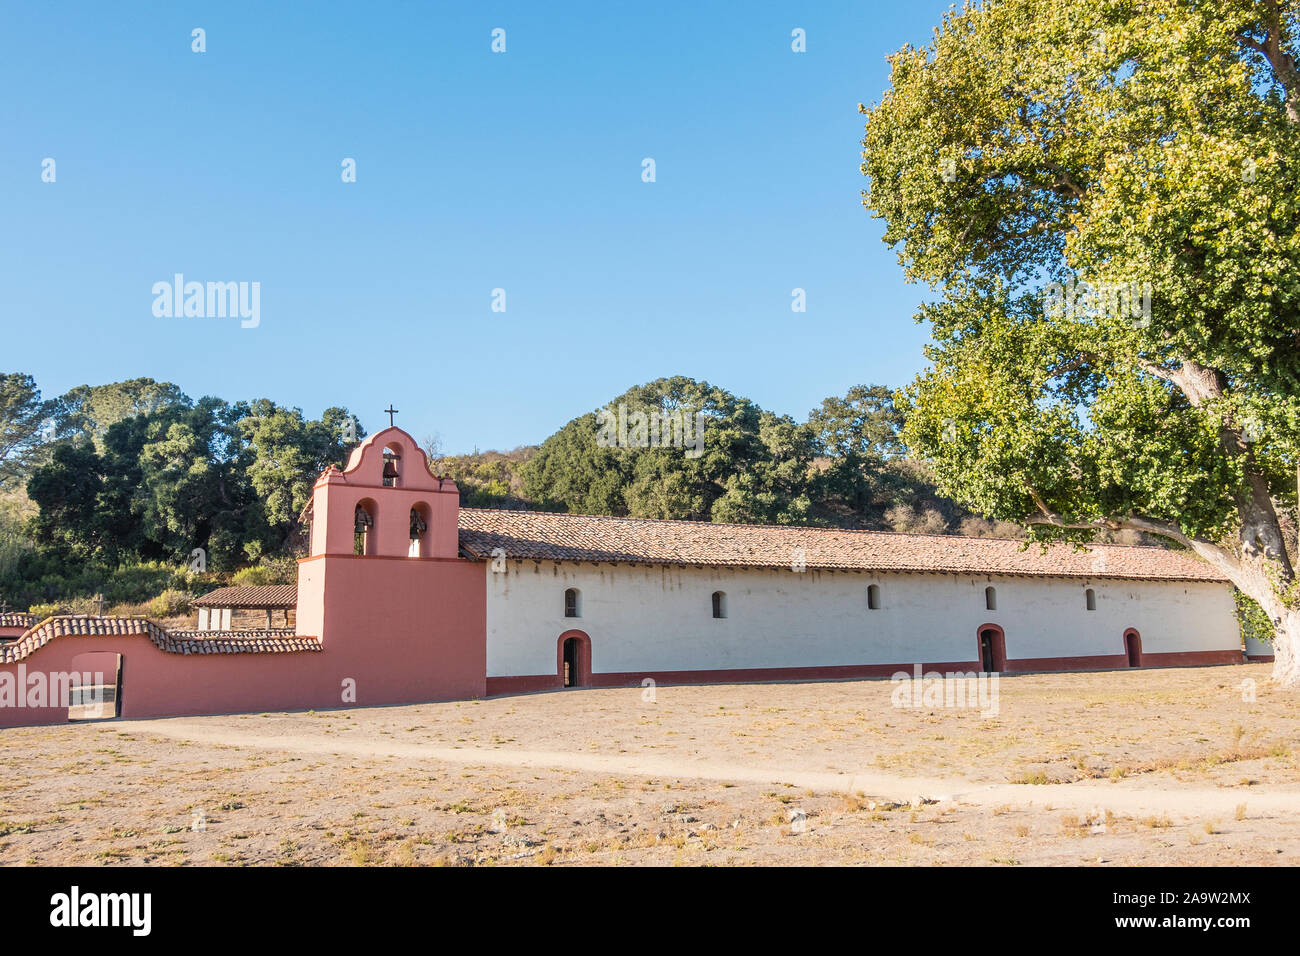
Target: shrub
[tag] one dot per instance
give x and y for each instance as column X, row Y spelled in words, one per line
column 1253, row 619
column 45, row 579
column 13, row 549
column 171, row 603
column 81, row 605
column 253, row 575
column 43, row 611
column 279, row 570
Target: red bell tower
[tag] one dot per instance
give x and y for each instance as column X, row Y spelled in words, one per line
column 384, row 583
column 385, row 503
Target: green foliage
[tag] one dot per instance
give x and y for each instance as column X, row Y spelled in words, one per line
column 132, row 477
column 752, row 466
column 42, row 577
column 285, row 454
column 68, row 491
column 24, row 418
column 282, row 569
column 170, row 603
column 231, row 479
column 140, row 475
column 488, row 479
column 1254, row 622
column 857, row 441
column 1041, row 140
column 87, row 412
column 14, row 548
column 195, row 492
column 845, row 466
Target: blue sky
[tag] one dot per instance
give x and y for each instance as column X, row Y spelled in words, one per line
column 475, row 171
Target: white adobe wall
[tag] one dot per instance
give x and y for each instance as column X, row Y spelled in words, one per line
column 660, row 619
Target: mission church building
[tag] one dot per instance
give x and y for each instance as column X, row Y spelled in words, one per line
column 406, row 597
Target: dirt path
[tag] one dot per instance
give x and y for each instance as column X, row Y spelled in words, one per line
column 1122, row 797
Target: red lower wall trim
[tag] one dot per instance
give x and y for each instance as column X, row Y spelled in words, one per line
column 1191, row 658
column 1260, row 658
column 522, row 685
column 1100, row 662
column 531, row 683
column 761, row 674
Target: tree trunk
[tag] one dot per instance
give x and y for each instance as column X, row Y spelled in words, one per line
column 1260, row 576
column 1286, row 644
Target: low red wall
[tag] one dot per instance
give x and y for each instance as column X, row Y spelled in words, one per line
column 158, row 684
column 402, row 631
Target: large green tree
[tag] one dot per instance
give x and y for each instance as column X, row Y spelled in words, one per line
column 88, row 411
column 145, row 472
column 68, row 490
column 749, row 465
column 858, row 434
column 194, row 490
column 25, row 421
column 286, row 454
column 1144, row 157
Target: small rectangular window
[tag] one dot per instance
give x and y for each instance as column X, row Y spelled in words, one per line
column 873, row 597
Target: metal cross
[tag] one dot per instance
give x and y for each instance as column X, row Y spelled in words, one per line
column 391, row 412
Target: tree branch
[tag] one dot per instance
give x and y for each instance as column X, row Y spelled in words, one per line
column 1282, row 63
column 1217, row 555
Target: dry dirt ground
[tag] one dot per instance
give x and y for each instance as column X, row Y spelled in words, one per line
column 1184, row 766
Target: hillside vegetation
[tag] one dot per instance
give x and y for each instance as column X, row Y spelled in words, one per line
column 132, row 495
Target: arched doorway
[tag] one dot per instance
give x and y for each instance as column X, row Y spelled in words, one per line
column 95, row 690
column 992, row 648
column 1133, row 647
column 574, row 659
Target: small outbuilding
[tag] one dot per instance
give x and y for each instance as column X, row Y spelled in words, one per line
column 230, row 609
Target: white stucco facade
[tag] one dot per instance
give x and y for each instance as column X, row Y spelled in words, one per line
column 649, row 619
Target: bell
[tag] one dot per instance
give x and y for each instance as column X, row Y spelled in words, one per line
column 362, row 520
column 390, row 469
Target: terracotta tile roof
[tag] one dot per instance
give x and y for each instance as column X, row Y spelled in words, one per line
column 250, row 632
column 17, row 619
column 220, row 642
column 545, row 536
column 273, row 596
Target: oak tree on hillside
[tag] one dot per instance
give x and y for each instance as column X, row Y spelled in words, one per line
column 737, row 462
